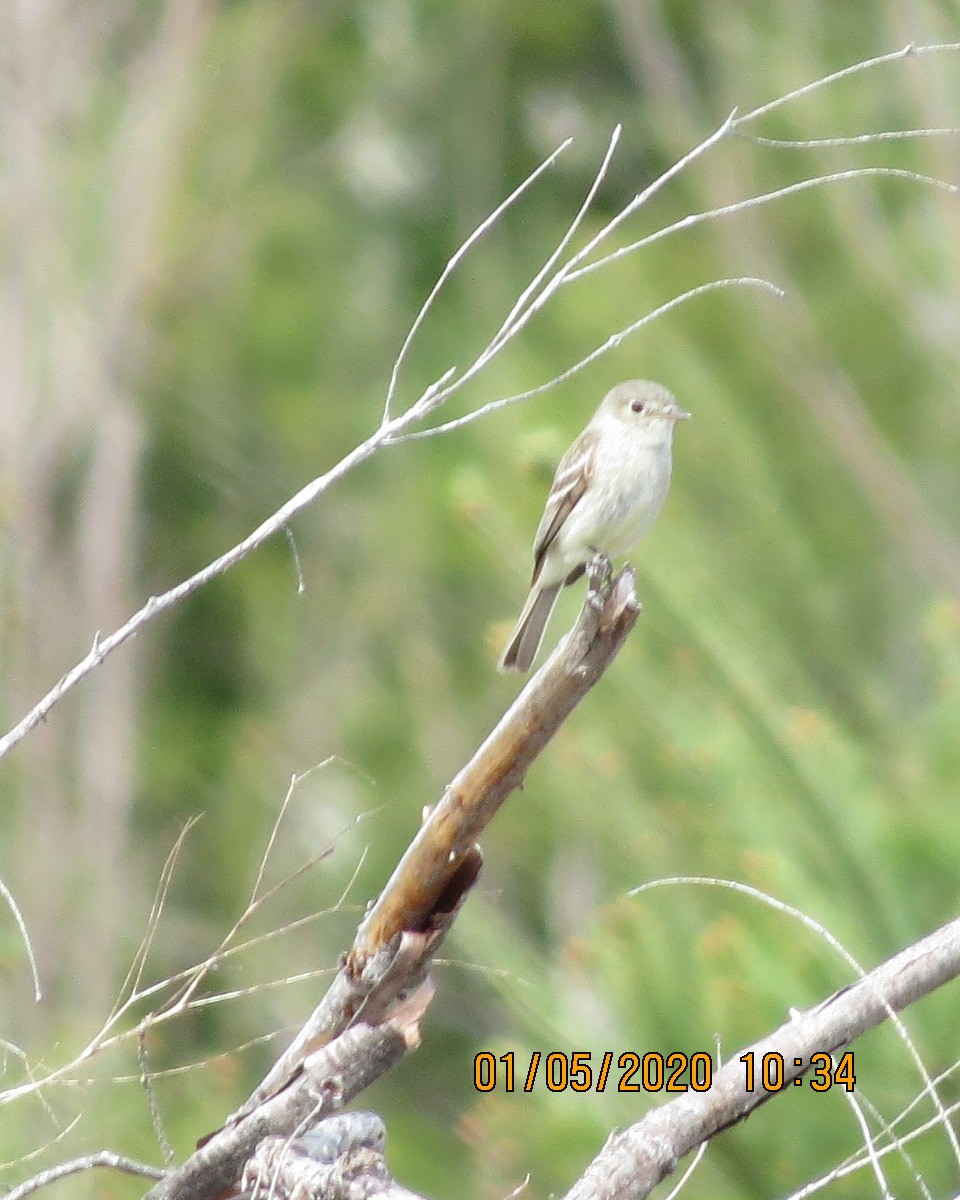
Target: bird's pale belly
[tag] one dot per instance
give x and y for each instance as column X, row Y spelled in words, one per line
column 615, row 521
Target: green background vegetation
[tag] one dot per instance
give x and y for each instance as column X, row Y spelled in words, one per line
column 785, row 713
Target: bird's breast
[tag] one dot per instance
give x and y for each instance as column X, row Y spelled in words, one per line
column 628, row 485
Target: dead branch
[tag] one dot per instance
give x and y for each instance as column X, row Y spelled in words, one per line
column 635, row 1160
column 325, row 1081
column 339, row 1159
column 403, row 928
column 369, row 1017
column 499, row 766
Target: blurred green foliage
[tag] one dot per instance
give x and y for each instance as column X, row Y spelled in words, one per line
column 786, row 712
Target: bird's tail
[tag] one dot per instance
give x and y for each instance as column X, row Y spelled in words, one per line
column 526, row 638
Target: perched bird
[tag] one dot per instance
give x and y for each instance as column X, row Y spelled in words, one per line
column 608, row 489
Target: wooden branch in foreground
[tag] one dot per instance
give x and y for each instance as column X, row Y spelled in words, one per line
column 401, row 931
column 325, row 1081
column 369, row 1017
column 499, row 766
column 635, row 1160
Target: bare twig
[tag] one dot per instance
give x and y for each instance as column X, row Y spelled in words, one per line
column 156, row 1117
column 131, row 983
column 871, row 1149
column 521, row 316
column 485, row 225
column 739, row 206
column 176, row 993
column 531, row 289
column 103, row 646
column 614, row 340
column 857, row 139
column 45, row 1147
column 7, row 895
column 102, row 1158
column 909, row 51
column 898, row 1145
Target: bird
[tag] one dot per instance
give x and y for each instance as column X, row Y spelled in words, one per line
column 608, row 489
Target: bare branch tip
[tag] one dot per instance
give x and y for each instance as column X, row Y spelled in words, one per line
column 428, row 399
column 446, row 376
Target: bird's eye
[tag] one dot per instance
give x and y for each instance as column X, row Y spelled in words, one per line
column 637, row 406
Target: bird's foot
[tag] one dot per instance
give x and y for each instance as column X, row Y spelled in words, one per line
column 599, row 573
column 599, row 569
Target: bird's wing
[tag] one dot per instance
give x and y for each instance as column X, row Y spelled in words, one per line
column 569, row 484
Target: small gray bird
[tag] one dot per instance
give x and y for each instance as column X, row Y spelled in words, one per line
column 608, row 489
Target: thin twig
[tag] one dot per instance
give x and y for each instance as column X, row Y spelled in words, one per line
column 562, row 275
column 156, row 1117
column 186, row 981
column 858, row 139
column 452, row 264
column 45, row 1147
column 871, row 1150
column 103, row 646
column 530, row 290
column 25, row 936
column 867, row 64
column 135, row 974
column 518, row 317
column 102, row 1158
column 738, row 206
column 611, row 343
column 859, row 1161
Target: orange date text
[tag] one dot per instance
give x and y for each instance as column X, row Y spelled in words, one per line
column 582, row 1071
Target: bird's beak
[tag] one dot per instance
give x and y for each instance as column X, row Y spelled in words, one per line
column 677, row 414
